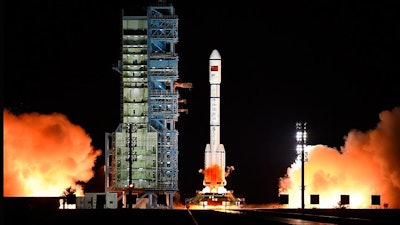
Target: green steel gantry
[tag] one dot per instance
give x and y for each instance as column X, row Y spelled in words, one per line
column 141, row 155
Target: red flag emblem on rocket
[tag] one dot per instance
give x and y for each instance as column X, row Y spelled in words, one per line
column 214, row 68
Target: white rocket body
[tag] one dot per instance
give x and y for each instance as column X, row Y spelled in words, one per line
column 214, row 160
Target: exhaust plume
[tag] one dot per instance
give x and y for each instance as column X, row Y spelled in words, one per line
column 368, row 164
column 44, row 154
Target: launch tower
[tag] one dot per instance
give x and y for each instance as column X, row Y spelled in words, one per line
column 141, row 155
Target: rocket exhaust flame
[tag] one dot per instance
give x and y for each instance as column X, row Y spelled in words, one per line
column 367, row 164
column 44, row 154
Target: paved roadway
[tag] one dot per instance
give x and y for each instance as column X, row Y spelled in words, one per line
column 16, row 216
column 325, row 216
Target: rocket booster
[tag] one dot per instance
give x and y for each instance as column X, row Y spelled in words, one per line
column 214, row 160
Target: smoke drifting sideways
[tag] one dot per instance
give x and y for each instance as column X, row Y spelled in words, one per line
column 368, row 164
column 44, row 154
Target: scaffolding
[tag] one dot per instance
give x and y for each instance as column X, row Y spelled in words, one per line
column 142, row 154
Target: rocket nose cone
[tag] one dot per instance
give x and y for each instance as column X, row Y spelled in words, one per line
column 215, row 54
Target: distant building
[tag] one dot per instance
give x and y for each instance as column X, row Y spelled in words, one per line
column 97, row 201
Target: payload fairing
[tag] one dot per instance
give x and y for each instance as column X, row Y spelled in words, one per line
column 214, row 158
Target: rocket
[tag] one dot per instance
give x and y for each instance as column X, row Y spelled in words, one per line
column 214, row 158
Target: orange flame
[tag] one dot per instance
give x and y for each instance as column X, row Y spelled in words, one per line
column 213, row 175
column 44, row 154
column 367, row 165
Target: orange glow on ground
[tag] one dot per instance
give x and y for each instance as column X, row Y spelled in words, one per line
column 368, row 164
column 44, row 155
column 213, row 207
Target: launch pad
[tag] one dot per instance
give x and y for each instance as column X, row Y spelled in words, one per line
column 214, row 200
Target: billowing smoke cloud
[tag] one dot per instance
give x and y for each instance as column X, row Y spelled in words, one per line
column 44, row 155
column 368, row 164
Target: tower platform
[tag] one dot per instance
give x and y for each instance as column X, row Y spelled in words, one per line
column 214, row 200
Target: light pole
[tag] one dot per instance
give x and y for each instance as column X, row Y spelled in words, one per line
column 301, row 137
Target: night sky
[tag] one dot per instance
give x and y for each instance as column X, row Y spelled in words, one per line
column 331, row 64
